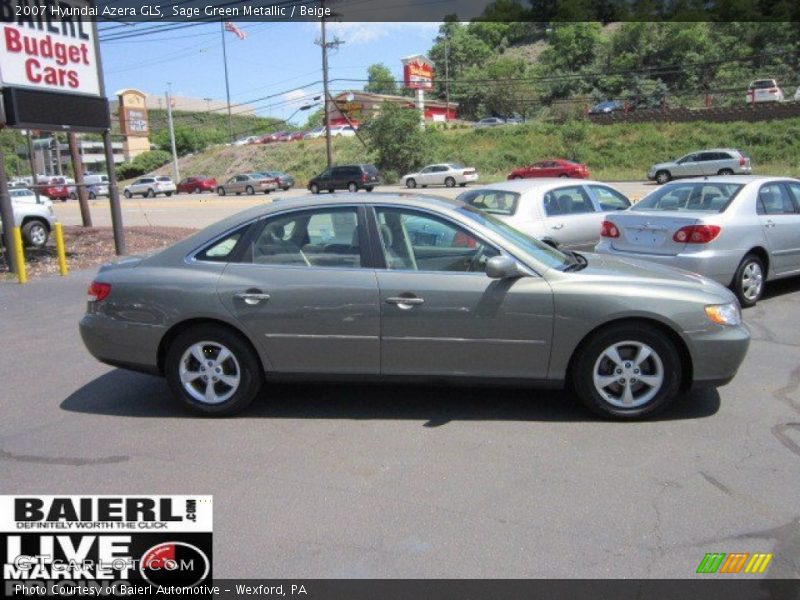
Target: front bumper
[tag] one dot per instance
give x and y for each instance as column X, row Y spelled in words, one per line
column 717, row 354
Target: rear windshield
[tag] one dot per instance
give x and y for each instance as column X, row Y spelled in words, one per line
column 762, row 84
column 370, row 170
column 496, row 202
column 694, row 196
column 162, row 178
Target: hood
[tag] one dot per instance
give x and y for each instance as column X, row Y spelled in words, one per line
column 663, row 165
column 615, row 270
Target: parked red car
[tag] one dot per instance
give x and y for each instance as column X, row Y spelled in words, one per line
column 551, row 168
column 196, row 185
column 55, row 189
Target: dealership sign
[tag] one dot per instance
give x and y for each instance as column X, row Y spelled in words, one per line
column 417, row 72
column 51, row 49
column 104, row 545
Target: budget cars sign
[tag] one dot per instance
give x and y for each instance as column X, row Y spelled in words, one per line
column 46, row 51
column 50, row 47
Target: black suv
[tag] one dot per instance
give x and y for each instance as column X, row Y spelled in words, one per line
column 345, row 177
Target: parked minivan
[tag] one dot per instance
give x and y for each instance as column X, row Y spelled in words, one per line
column 345, row 177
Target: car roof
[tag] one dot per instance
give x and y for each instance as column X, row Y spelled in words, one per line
column 744, row 179
column 544, row 184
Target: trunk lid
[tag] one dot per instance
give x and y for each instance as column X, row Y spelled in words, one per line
column 651, row 232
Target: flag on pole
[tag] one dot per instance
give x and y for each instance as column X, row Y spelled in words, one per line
column 235, row 30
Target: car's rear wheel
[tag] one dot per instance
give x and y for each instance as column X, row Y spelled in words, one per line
column 196, row 190
column 73, row 196
column 221, row 191
column 314, row 188
column 450, row 182
column 627, row 372
column 748, row 282
column 213, row 370
column 168, row 194
column 250, row 191
column 35, row 234
column 663, row 177
column 92, row 196
column 127, row 194
column 725, row 172
column 563, row 175
column 411, row 183
column 352, row 187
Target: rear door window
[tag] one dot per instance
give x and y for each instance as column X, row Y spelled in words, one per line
column 774, row 199
column 570, row 200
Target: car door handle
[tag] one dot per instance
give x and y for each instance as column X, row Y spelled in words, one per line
column 405, row 302
column 251, row 298
column 770, row 223
column 557, row 226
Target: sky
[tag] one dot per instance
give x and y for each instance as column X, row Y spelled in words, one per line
column 276, row 59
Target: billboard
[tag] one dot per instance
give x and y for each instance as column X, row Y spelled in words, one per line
column 417, row 72
column 49, row 55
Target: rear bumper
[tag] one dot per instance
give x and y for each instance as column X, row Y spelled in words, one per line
column 128, row 345
column 719, row 265
column 717, row 355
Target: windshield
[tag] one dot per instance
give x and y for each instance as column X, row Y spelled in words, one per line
column 695, row 196
column 547, row 255
column 162, row 178
column 456, row 166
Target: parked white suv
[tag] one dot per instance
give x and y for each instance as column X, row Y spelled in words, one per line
column 764, row 90
column 150, row 187
column 36, row 219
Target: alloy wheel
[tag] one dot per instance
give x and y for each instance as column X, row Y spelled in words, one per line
column 752, row 281
column 628, row 374
column 209, row 372
column 37, row 235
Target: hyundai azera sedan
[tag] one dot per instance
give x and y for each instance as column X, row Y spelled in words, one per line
column 410, row 288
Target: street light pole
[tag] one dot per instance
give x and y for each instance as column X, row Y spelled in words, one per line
column 325, row 93
column 227, row 84
column 175, row 172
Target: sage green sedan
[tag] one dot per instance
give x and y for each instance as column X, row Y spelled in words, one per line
column 406, row 288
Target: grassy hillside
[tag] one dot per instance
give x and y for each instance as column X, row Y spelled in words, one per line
column 212, row 126
column 620, row 151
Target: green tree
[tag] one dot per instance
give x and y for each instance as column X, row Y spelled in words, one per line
column 395, row 137
column 143, row 163
column 315, row 119
column 380, row 80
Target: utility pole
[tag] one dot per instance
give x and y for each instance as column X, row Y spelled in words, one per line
column 32, row 162
column 227, row 84
column 326, row 45
column 77, row 167
column 447, row 78
column 113, row 196
column 7, row 215
column 175, row 172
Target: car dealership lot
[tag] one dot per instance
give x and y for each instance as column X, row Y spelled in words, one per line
column 418, row 481
column 200, row 210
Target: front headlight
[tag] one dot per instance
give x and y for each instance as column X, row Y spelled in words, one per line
column 724, row 314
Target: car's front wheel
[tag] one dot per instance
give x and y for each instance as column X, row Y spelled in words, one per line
column 352, row 187
column 663, row 177
column 250, row 191
column 314, row 188
column 627, row 372
column 450, row 182
column 220, row 191
column 213, row 370
column 411, row 183
column 127, row 194
column 35, row 234
column 748, row 282
column 151, row 193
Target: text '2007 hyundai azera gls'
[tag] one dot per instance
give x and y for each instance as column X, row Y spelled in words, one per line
column 410, row 288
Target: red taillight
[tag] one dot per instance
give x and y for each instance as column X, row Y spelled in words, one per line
column 364, row 177
column 742, row 162
column 98, row 291
column 609, row 230
column 773, row 90
column 696, row 234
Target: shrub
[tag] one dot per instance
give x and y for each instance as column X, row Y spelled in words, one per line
column 143, row 163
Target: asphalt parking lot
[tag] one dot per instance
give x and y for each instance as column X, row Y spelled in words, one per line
column 418, row 481
column 200, row 210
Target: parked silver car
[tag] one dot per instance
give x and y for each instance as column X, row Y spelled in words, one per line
column 36, row 220
column 739, row 231
column 447, row 174
column 248, row 183
column 558, row 212
column 717, row 161
column 764, row 90
column 150, row 187
column 336, row 288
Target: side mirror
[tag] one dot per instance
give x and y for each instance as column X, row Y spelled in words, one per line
column 503, row 267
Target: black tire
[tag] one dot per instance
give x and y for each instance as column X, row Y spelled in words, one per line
column 314, row 188
column 127, row 194
column 168, row 194
column 591, row 355
column 286, row 188
column 35, row 233
column 196, row 190
column 221, row 191
column 352, row 187
column 73, row 196
column 250, row 191
column 725, row 172
column 151, row 193
column 449, row 182
column 330, row 190
column 369, row 188
column 64, row 198
column 411, row 183
column 251, row 376
column 92, row 195
column 462, row 185
column 663, row 177
column 751, row 265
